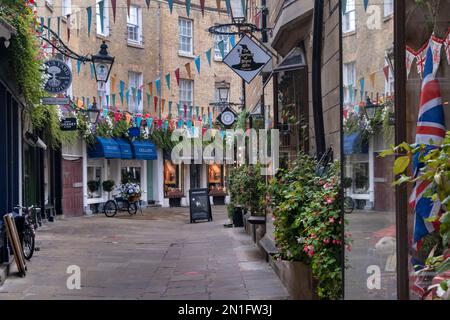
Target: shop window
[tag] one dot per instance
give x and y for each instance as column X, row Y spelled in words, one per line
column 102, row 28
column 134, row 25
column 94, row 181
column 173, row 179
column 216, row 178
column 131, row 175
column 370, row 196
column 349, row 17
column 185, row 40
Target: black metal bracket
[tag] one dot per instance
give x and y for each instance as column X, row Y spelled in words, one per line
column 56, row 42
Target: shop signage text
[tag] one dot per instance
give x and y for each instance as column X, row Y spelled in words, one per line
column 58, row 76
column 68, row 124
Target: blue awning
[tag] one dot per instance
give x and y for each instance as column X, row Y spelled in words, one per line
column 104, row 148
column 355, row 144
column 144, row 150
column 125, row 148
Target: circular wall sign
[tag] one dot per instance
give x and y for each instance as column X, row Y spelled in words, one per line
column 227, row 117
column 59, row 76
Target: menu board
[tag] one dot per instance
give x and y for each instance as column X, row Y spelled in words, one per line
column 199, row 205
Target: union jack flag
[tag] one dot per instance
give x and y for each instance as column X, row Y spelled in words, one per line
column 430, row 132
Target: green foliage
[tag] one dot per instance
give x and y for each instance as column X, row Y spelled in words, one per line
column 247, row 187
column 93, row 185
column 108, row 185
column 47, row 119
column 162, row 139
column 308, row 225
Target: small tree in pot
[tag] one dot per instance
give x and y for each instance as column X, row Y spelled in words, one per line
column 108, row 186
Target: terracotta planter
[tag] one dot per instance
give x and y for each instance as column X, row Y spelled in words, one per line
column 297, row 278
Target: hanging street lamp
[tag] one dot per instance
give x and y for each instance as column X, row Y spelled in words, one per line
column 237, row 11
column 370, row 109
column 223, row 90
column 92, row 113
column 103, row 63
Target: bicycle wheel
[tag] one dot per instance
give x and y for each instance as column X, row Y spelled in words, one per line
column 110, row 208
column 28, row 242
column 349, row 205
column 132, row 208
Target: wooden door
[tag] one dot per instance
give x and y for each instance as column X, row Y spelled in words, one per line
column 72, row 181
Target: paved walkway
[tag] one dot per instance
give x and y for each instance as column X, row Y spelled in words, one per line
column 158, row 255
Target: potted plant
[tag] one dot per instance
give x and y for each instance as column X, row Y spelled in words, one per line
column 308, row 227
column 93, row 185
column 131, row 191
column 108, row 186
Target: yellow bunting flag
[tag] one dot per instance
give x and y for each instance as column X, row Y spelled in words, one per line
column 188, row 69
column 113, row 84
column 163, row 102
column 372, row 79
column 150, row 87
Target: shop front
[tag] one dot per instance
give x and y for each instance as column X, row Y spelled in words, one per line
column 117, row 160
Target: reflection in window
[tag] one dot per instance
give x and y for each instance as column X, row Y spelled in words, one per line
column 131, row 175
column 349, row 17
column 173, row 179
column 94, row 179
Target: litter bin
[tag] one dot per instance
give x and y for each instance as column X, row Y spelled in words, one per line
column 238, row 220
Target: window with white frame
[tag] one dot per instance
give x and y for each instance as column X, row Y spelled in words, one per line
column 186, row 92
column 134, row 23
column 185, row 41
column 66, row 7
column 104, row 90
column 49, row 2
column 135, row 81
column 102, row 29
column 388, row 7
column 349, row 75
column 226, row 43
column 349, row 17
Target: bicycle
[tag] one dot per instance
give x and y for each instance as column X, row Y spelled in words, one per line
column 119, row 204
column 28, row 237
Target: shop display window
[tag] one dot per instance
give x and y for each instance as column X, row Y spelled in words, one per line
column 94, row 181
column 173, row 180
column 216, row 180
column 131, row 174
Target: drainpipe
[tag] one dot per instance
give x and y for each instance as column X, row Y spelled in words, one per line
column 317, row 78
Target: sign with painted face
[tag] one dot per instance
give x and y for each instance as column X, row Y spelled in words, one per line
column 247, row 59
column 59, row 76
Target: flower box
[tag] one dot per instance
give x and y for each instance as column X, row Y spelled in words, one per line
column 297, row 277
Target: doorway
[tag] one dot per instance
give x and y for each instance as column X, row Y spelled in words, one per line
column 195, row 175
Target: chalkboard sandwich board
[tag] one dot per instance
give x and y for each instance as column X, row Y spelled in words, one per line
column 199, row 205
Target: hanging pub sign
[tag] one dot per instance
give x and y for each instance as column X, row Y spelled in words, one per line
column 59, row 76
column 68, row 124
column 247, row 59
column 227, row 117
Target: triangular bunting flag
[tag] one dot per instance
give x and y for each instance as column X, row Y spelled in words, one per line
column 188, row 7
column 366, row 4
column 208, row 56
column 150, row 88
column 68, row 28
column 188, row 69
column 114, row 7
column 101, row 6
column 122, row 88
column 78, row 66
column 128, row 7
column 89, row 20
column 202, row 7
column 59, row 26
column 155, row 101
column 221, row 45
column 149, row 98
column 228, row 4
column 386, row 72
column 92, row 71
column 197, row 63
column 170, row 3
column 232, row 40
column 177, row 75
column 168, row 80
column 163, row 104
column 158, row 87
column 113, row 99
column 218, row 5
column 127, row 97
column 148, row 3
column 170, row 108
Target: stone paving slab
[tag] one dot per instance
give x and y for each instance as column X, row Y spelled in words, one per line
column 157, row 255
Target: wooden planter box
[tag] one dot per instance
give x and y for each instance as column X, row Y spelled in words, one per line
column 297, row 278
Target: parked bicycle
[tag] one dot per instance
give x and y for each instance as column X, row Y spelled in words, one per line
column 349, row 204
column 119, row 204
column 31, row 222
